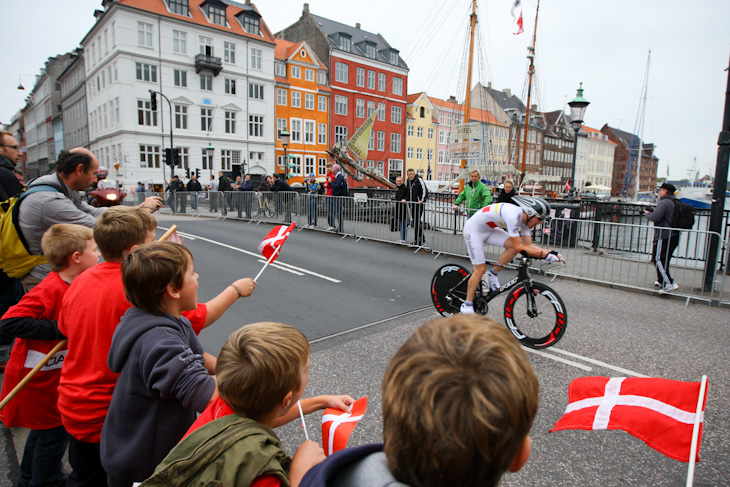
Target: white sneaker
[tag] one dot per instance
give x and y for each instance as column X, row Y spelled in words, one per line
column 467, row 309
column 401, row 241
column 493, row 281
column 658, row 284
column 670, row 287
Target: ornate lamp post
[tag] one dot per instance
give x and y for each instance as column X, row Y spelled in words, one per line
column 285, row 136
column 577, row 114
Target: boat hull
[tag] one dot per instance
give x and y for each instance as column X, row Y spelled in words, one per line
column 702, row 205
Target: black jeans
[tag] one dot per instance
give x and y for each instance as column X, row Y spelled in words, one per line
column 85, row 459
column 41, row 464
column 663, row 251
column 417, row 211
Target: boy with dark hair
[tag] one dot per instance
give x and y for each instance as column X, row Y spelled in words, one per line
column 262, row 372
column 164, row 373
column 90, row 312
column 70, row 250
column 459, row 399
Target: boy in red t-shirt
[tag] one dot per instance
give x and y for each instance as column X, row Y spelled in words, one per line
column 90, row 312
column 70, row 250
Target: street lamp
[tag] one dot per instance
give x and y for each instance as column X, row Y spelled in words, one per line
column 209, row 152
column 285, row 136
column 577, row 114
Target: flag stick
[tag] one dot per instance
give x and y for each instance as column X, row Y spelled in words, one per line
column 33, row 372
column 301, row 415
column 696, row 433
column 168, row 233
column 273, row 256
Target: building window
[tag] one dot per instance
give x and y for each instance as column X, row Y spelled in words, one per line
column 371, row 80
column 230, row 86
column 409, row 130
column 370, row 51
column 340, row 105
column 216, row 15
column 227, row 159
column 345, row 43
column 341, row 72
column 309, row 75
column 371, row 141
column 395, row 115
column 184, row 157
column 256, row 91
column 179, row 7
column 206, row 82
column 381, row 141
column 206, row 119
column 180, row 77
column 309, row 164
column 322, row 103
column 409, row 152
column 381, row 111
column 309, row 101
column 206, row 45
column 144, row 34
column 309, row 131
column 360, row 108
column 296, row 72
column 420, row 132
column 296, row 99
column 146, row 72
column 281, row 97
column 419, row 153
column 251, row 25
column 149, row 156
column 207, row 159
column 394, row 58
column 395, row 143
column 280, row 70
column 321, row 78
column 430, row 133
column 229, row 52
column 340, row 134
column 322, row 134
column 179, row 42
column 256, row 125
column 397, row 86
column 296, row 131
column 280, row 127
column 230, row 118
column 442, row 136
column 145, row 115
column 381, row 82
column 360, row 78
column 256, row 56
column 322, row 165
column 371, row 108
column 181, row 117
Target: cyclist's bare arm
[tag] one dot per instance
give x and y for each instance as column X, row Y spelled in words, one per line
column 524, row 244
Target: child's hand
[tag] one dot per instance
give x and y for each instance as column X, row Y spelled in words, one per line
column 307, row 456
column 343, row 403
column 246, row 286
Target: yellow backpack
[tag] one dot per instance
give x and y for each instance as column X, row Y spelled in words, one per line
column 15, row 258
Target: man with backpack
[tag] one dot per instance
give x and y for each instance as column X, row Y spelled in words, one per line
column 666, row 240
column 417, row 194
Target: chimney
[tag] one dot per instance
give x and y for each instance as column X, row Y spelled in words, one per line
column 489, row 84
column 533, row 108
column 357, row 26
column 248, row 2
column 306, row 8
column 452, row 98
column 507, row 92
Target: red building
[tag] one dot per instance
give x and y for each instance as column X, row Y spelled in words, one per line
column 365, row 74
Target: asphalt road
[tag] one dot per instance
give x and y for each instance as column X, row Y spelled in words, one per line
column 358, row 323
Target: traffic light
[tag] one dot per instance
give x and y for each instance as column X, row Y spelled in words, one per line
column 197, row 173
column 187, row 173
column 167, row 157
column 153, row 101
column 176, row 158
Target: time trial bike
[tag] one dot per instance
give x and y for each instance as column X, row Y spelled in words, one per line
column 533, row 311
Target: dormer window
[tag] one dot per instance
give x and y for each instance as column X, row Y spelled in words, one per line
column 250, row 20
column 179, row 7
column 216, row 15
column 345, row 42
column 393, row 57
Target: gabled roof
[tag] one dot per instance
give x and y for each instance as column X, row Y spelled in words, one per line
column 286, row 50
column 594, row 133
column 331, row 28
column 197, row 16
column 627, row 138
column 506, row 102
column 552, row 118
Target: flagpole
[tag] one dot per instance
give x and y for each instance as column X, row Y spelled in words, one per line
column 696, row 433
column 301, row 415
column 168, row 233
column 273, row 256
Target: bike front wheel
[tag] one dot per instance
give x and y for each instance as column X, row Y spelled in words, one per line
column 538, row 319
column 448, row 288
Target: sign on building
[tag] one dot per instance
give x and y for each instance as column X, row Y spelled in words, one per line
column 466, row 141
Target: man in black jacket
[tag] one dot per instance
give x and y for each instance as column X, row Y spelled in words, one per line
column 224, row 188
column 173, row 188
column 665, row 240
column 285, row 199
column 416, row 196
column 193, row 188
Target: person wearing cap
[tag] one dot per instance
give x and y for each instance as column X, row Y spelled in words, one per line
column 666, row 240
column 174, row 186
column 330, row 200
column 312, row 187
column 339, row 188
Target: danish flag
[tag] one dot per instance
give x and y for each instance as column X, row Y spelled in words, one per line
column 338, row 425
column 517, row 4
column 271, row 245
column 567, row 186
column 661, row 412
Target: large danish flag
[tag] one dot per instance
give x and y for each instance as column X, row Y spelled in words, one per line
column 270, row 246
column 659, row 411
column 338, row 425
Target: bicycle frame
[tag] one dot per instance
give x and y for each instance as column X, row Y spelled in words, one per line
column 523, row 277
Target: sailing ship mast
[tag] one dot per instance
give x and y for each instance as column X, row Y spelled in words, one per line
column 530, row 71
column 467, row 98
column 639, row 130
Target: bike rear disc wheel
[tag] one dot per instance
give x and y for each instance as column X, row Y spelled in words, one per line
column 445, row 296
column 550, row 319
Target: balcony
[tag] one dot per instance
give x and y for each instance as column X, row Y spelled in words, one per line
column 203, row 61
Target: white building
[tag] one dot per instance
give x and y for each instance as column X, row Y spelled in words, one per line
column 215, row 64
column 595, row 159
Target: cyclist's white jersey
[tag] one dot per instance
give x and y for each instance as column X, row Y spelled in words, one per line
column 493, row 225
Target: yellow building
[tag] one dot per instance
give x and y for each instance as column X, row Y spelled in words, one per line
column 420, row 136
column 302, row 109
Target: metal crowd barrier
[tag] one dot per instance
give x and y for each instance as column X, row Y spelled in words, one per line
column 600, row 251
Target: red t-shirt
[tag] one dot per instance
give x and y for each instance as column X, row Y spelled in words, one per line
column 90, row 312
column 218, row 409
column 34, row 406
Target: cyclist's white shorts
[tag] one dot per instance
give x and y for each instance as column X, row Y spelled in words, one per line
column 476, row 239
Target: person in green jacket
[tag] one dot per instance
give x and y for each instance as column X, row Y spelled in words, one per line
column 476, row 195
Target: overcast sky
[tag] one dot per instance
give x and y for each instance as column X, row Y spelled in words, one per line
column 602, row 44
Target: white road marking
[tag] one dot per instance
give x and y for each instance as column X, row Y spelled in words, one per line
column 186, row 235
column 281, row 265
column 557, row 359
column 599, row 363
column 276, row 264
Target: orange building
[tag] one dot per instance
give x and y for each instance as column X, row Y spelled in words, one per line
column 302, row 109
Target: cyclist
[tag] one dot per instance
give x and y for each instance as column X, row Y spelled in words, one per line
column 507, row 225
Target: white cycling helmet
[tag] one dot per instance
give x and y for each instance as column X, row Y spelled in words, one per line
column 533, row 206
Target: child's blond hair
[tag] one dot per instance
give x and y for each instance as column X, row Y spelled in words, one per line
column 120, row 228
column 61, row 241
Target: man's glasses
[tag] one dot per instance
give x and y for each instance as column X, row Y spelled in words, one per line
column 16, row 147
